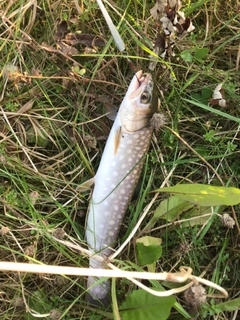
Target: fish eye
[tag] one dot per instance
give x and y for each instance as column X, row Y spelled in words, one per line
column 145, row 97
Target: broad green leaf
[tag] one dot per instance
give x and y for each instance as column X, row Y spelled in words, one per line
column 186, row 56
column 201, row 53
column 148, row 241
column 231, row 305
column 199, row 215
column 141, row 305
column 169, row 209
column 205, row 195
column 206, row 93
column 148, row 254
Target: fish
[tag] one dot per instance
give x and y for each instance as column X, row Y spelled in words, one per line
column 117, row 176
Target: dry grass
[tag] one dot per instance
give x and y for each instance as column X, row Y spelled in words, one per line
column 52, row 133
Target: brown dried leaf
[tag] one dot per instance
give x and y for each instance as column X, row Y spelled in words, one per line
column 66, row 49
column 33, row 196
column 218, row 97
column 195, row 296
column 26, row 107
column 90, row 141
column 9, row 71
column 158, row 121
column 29, row 251
column 36, row 72
column 12, row 73
column 88, row 50
column 88, row 40
column 55, row 314
column 159, row 8
column 4, row 230
column 59, row 233
column 62, row 30
column 171, row 12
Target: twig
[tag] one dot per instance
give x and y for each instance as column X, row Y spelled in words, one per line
column 179, row 277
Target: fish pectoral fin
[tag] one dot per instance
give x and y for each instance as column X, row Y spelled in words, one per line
column 117, row 139
column 85, row 185
column 111, row 111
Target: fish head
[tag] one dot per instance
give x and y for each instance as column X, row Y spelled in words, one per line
column 140, row 103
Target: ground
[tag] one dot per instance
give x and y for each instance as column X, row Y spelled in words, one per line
column 57, row 85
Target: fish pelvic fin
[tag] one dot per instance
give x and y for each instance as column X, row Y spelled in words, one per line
column 117, row 139
column 85, row 185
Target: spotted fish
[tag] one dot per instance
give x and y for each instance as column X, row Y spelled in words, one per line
column 118, row 174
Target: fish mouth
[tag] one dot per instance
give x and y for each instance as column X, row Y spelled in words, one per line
column 140, row 81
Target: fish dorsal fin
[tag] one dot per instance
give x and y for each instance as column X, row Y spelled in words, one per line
column 117, row 139
column 85, row 185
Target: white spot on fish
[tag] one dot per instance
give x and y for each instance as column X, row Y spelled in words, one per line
column 110, row 233
column 115, row 173
column 115, row 207
column 129, row 151
column 106, row 213
column 122, row 191
column 112, row 222
column 113, row 185
column 106, row 203
column 130, row 159
column 123, row 166
column 119, row 216
column 121, row 157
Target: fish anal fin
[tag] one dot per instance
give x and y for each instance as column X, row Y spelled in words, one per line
column 85, row 185
column 117, row 139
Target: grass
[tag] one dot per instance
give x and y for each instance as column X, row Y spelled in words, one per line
column 52, row 135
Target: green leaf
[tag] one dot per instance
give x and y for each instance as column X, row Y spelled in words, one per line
column 231, row 305
column 196, row 216
column 186, row 56
column 205, row 195
column 148, row 241
column 201, row 53
column 171, row 208
column 196, row 96
column 206, row 93
column 141, row 305
column 214, row 111
column 149, row 250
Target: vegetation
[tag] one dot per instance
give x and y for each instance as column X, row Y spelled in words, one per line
column 54, row 94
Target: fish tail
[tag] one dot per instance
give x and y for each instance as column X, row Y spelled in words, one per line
column 98, row 295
